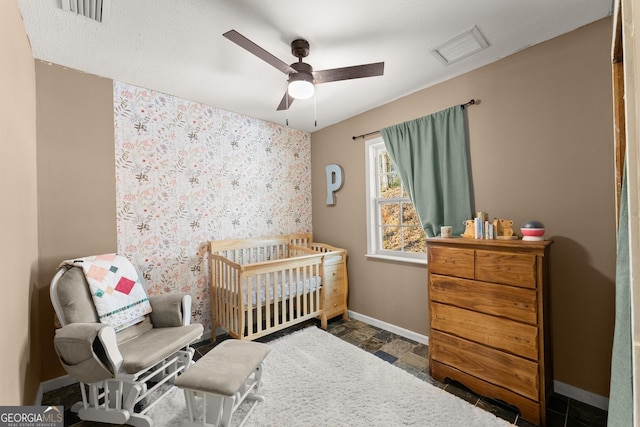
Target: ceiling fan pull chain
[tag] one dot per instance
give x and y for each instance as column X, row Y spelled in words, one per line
column 315, row 108
column 286, row 101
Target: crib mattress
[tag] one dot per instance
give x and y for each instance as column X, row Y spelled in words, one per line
column 278, row 287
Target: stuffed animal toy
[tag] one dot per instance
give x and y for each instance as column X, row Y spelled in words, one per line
column 468, row 229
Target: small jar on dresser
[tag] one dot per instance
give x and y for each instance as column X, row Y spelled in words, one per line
column 490, row 319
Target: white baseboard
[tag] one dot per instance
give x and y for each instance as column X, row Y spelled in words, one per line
column 52, row 384
column 391, row 328
column 581, row 395
column 567, row 390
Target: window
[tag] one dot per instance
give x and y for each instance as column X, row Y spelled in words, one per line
column 393, row 228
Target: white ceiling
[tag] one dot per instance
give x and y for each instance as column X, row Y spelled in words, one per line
column 177, row 47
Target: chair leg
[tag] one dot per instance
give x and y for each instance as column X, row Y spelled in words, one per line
column 131, row 397
column 227, row 411
column 212, row 410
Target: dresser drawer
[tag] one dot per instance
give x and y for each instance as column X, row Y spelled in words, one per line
column 490, row 298
column 505, row 267
column 333, row 290
column 451, row 261
column 505, row 370
column 334, row 276
column 496, row 332
column 335, row 303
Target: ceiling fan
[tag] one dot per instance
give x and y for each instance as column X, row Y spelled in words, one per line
column 302, row 78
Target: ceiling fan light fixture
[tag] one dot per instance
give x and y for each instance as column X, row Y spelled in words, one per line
column 300, row 85
column 301, row 77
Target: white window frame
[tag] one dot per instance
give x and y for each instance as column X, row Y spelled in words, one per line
column 373, row 147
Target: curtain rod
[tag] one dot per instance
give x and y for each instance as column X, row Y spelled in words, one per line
column 471, row 102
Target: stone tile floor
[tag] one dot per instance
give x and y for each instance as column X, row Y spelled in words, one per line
column 404, row 353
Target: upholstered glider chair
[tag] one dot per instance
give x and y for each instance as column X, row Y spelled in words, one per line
column 119, row 359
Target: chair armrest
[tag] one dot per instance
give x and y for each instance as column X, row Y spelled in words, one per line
column 170, row 310
column 88, row 351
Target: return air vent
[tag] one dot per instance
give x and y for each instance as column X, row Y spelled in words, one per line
column 91, row 9
column 461, row 46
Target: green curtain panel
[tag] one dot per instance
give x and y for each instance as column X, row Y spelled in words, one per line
column 432, row 158
column 621, row 387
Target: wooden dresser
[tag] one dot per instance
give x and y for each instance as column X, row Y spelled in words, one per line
column 489, row 319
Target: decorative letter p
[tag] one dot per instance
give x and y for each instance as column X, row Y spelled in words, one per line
column 334, row 182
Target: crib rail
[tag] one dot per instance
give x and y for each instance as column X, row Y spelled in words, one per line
column 304, row 239
column 250, row 251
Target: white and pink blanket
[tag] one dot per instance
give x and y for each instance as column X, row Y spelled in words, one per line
column 119, row 296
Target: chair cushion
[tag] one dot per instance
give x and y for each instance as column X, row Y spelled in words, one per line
column 225, row 368
column 151, row 347
column 167, row 310
column 134, row 331
column 75, row 299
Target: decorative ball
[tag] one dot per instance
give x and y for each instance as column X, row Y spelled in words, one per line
column 532, row 230
column 532, row 224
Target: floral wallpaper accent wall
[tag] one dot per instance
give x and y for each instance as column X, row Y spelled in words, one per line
column 187, row 173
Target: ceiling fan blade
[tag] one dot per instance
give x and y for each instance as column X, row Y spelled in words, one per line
column 346, row 73
column 247, row 44
column 286, row 102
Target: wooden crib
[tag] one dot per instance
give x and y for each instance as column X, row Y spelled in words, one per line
column 259, row 286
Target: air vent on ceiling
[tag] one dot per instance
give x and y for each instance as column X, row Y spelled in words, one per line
column 460, row 47
column 91, row 9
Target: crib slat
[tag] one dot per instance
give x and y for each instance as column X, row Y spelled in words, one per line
column 277, row 290
column 319, row 286
column 271, row 283
column 290, row 297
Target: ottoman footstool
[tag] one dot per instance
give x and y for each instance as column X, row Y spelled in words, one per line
column 216, row 385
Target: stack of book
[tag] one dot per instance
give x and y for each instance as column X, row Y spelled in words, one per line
column 483, row 229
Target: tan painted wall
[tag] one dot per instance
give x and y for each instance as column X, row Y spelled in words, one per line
column 541, row 148
column 19, row 361
column 76, row 179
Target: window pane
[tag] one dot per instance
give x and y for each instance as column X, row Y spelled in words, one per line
column 390, row 214
column 390, row 185
column 414, row 240
column 384, row 162
column 409, row 215
column 391, row 239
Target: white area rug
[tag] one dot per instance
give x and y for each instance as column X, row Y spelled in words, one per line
column 312, row 378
